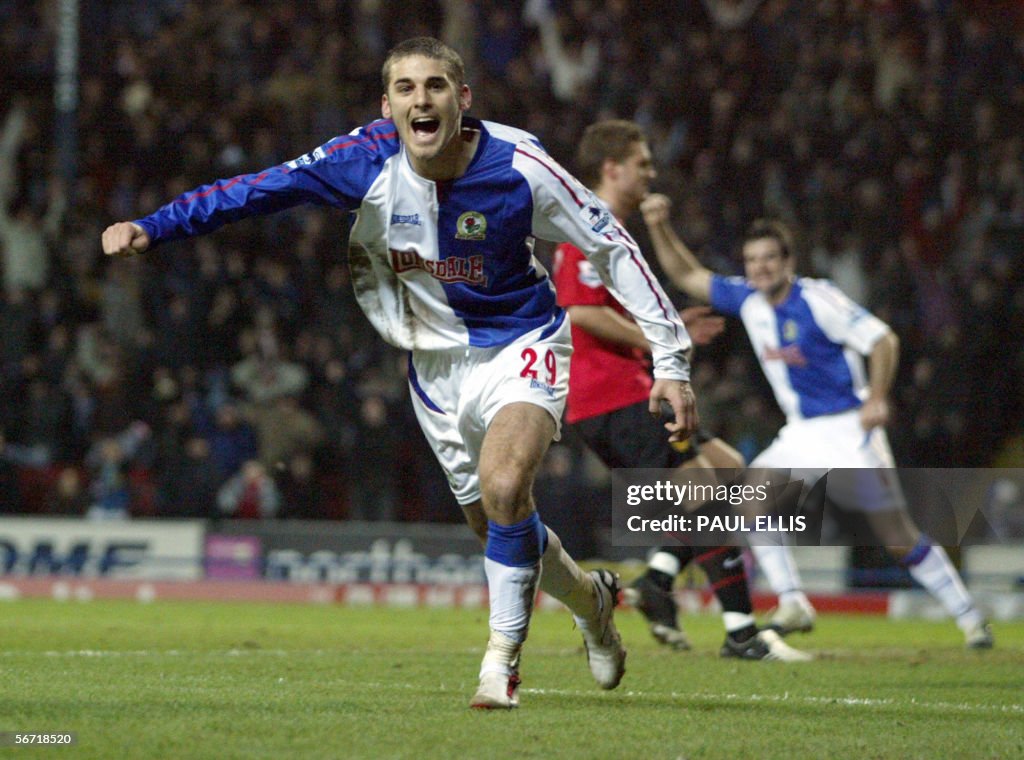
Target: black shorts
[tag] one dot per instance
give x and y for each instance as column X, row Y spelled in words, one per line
column 631, row 437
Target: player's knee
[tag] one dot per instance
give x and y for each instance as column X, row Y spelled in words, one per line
column 505, row 492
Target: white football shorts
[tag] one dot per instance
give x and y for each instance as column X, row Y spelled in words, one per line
column 456, row 395
column 863, row 475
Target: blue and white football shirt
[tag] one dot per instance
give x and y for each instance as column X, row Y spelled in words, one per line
column 811, row 346
column 446, row 265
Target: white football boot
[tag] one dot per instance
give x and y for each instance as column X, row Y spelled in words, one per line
column 979, row 636
column 795, row 614
column 605, row 653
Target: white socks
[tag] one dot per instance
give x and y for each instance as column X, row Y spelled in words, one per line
column 737, row 621
column 512, row 591
column 565, row 581
column 936, row 573
column 776, row 562
column 666, row 563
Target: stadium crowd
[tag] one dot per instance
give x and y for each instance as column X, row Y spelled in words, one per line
column 234, row 375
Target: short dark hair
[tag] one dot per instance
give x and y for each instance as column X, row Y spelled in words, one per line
column 612, row 139
column 429, row 47
column 772, row 229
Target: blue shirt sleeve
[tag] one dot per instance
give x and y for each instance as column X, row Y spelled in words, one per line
column 338, row 173
column 729, row 293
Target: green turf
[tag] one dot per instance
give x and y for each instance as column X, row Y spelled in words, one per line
column 197, row 680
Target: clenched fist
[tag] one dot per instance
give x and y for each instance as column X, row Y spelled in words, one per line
column 124, row 239
column 655, row 208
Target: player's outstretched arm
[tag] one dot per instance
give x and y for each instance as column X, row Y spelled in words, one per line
column 679, row 263
column 679, row 395
column 124, row 239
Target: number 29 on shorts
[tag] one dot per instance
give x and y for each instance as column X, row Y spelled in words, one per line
column 530, row 368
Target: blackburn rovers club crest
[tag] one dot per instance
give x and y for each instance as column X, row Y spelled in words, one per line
column 472, row 225
column 789, row 331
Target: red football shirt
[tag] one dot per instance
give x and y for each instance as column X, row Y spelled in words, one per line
column 603, row 376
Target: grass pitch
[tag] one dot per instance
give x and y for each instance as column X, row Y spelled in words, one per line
column 203, row 680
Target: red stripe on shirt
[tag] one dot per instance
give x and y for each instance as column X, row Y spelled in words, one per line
column 260, row 177
column 214, row 188
column 634, row 252
column 555, row 174
column 361, row 139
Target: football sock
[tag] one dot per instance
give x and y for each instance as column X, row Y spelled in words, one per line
column 739, row 627
column 727, row 577
column 501, row 656
column 776, row 562
column 930, row 566
column 565, row 581
column 728, row 580
column 664, row 581
column 512, row 565
column 666, row 563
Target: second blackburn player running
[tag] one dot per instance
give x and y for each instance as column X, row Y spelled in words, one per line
column 794, row 611
column 441, row 251
column 607, row 406
column 811, row 340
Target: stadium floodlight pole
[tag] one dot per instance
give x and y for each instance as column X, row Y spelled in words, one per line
column 65, row 92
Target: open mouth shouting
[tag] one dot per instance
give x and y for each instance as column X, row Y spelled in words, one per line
column 425, row 127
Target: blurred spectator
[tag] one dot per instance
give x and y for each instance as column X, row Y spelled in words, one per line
column 178, row 333
column 121, row 306
column 301, row 493
column 189, row 481
column 374, row 474
column 232, row 440
column 1004, row 508
column 10, row 496
column 570, row 55
column 500, row 38
column 45, row 419
column 252, row 494
column 731, row 14
column 223, row 323
column 336, row 305
column 109, row 460
column 16, row 326
column 264, row 375
column 24, row 230
column 68, row 495
column 283, row 429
